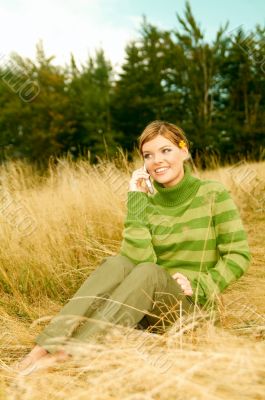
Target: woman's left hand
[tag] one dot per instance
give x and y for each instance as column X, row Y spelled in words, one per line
column 184, row 283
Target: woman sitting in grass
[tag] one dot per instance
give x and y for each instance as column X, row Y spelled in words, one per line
column 183, row 245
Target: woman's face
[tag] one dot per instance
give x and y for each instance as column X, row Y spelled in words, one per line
column 164, row 160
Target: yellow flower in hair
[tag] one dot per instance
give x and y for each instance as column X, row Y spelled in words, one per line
column 182, row 144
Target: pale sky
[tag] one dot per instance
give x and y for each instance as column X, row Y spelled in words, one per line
column 81, row 26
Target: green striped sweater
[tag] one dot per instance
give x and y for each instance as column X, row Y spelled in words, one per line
column 194, row 228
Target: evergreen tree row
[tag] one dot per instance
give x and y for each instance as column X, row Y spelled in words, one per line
column 214, row 91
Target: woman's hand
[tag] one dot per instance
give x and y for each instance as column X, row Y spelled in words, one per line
column 184, row 283
column 135, row 184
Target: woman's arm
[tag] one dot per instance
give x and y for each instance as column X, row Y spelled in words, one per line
column 137, row 240
column 233, row 249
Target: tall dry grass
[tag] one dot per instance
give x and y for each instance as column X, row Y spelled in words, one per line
column 56, row 228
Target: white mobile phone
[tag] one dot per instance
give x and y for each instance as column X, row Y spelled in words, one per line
column 149, row 183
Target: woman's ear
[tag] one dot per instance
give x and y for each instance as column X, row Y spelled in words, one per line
column 186, row 154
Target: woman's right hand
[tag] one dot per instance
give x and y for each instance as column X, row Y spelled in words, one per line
column 135, row 184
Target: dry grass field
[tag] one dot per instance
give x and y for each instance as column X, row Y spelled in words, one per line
column 56, row 228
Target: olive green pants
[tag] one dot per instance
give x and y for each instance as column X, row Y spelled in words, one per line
column 118, row 292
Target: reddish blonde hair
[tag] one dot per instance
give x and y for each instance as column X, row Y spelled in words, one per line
column 170, row 131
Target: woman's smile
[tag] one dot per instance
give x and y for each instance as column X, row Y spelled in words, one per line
column 161, row 170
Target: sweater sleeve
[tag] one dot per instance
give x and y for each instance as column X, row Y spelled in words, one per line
column 137, row 240
column 234, row 254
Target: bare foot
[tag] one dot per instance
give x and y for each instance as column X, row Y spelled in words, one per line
column 36, row 353
column 45, row 361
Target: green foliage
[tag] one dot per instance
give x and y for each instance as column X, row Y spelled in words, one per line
column 214, row 91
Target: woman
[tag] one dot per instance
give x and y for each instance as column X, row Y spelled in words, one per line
column 183, row 245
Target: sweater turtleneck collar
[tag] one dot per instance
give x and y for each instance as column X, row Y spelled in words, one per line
column 179, row 193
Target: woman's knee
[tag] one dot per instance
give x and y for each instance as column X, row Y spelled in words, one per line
column 118, row 261
column 148, row 268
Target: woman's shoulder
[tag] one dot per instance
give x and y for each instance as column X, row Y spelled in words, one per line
column 211, row 186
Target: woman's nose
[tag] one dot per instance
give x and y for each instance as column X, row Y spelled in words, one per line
column 158, row 158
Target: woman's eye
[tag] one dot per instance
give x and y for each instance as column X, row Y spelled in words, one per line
column 164, row 150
